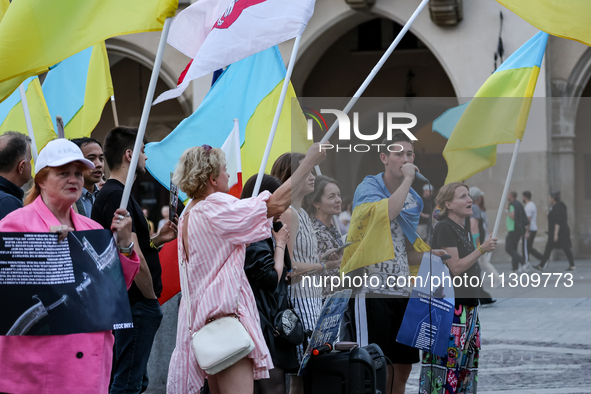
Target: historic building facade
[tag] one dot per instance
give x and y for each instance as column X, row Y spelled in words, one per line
column 343, row 42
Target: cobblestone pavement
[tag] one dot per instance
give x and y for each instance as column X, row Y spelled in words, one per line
column 535, row 345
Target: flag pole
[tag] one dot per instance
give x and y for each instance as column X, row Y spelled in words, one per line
column 145, row 114
column 370, row 78
column 504, row 196
column 114, row 108
column 294, row 53
column 23, row 94
column 375, row 70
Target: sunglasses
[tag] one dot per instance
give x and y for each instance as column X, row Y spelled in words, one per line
column 207, row 149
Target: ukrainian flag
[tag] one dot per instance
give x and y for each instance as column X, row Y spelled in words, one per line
column 77, row 90
column 12, row 117
column 561, row 18
column 497, row 114
column 36, row 34
column 369, row 229
column 249, row 91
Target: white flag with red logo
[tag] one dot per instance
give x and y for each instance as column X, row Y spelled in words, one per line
column 231, row 148
column 191, row 26
column 245, row 28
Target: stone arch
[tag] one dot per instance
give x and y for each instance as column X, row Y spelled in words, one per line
column 326, row 62
column 425, row 40
column 311, row 50
column 131, row 68
column 337, row 24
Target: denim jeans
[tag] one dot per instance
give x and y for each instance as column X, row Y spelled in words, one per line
column 132, row 348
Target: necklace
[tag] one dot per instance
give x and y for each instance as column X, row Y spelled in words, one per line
column 464, row 235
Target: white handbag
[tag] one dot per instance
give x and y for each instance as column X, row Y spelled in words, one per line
column 221, row 342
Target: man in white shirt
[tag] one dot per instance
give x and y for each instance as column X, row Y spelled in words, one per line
column 531, row 229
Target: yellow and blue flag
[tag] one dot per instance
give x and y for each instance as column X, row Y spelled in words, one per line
column 496, row 115
column 77, row 90
column 561, row 18
column 369, row 229
column 249, row 91
column 12, row 117
column 37, row 34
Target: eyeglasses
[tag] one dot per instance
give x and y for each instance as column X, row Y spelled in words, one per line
column 207, row 149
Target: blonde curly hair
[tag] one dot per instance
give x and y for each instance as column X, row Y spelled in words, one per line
column 195, row 167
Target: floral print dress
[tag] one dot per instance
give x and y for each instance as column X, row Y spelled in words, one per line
column 457, row 372
column 328, row 238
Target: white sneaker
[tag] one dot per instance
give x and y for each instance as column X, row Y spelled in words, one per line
column 527, row 266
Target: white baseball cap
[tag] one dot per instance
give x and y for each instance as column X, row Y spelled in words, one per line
column 59, row 152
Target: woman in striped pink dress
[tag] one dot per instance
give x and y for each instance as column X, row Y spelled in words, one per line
column 213, row 245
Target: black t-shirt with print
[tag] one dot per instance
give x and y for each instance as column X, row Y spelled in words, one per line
column 107, row 202
column 448, row 234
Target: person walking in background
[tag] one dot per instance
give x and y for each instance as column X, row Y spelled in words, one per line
column 478, row 229
column 93, row 151
column 516, row 222
column 15, row 170
column 478, row 219
column 323, row 204
column 164, row 211
column 531, row 211
column 558, row 233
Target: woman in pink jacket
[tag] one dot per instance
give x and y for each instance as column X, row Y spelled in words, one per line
column 76, row 363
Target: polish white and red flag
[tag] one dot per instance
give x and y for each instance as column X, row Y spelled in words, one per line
column 231, row 148
column 244, row 28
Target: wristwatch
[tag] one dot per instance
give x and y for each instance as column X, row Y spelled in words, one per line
column 126, row 251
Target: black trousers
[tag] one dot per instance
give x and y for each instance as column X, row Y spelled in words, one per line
column 511, row 242
column 550, row 246
column 530, row 246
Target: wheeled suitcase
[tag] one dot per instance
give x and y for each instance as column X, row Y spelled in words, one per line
column 356, row 371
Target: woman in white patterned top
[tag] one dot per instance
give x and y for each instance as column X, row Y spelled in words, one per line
column 306, row 298
column 323, row 205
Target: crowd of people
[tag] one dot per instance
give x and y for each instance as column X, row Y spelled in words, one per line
column 247, row 257
column 522, row 226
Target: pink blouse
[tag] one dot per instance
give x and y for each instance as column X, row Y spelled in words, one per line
column 76, row 363
column 219, row 228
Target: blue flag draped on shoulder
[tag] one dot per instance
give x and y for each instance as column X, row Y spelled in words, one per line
column 370, row 225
